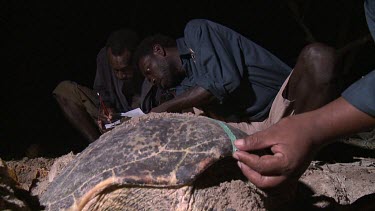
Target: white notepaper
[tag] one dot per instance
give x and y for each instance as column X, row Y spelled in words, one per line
column 133, row 113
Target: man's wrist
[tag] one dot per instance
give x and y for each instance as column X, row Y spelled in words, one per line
column 320, row 135
column 310, row 124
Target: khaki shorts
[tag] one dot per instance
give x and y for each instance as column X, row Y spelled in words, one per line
column 80, row 95
column 280, row 108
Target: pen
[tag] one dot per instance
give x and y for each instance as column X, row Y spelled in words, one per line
column 102, row 105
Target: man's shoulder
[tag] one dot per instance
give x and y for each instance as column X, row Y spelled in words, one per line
column 197, row 23
column 101, row 58
column 197, row 28
column 102, row 53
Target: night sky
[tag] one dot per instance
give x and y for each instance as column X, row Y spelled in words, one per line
column 45, row 43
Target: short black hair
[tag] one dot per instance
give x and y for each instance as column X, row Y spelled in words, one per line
column 147, row 44
column 122, row 39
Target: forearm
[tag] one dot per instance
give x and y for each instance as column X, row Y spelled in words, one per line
column 336, row 119
column 194, row 97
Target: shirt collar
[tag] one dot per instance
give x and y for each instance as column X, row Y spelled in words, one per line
column 182, row 48
column 185, row 55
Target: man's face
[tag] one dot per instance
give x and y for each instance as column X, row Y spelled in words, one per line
column 121, row 65
column 158, row 71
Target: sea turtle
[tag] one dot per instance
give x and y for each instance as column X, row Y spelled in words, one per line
column 151, row 162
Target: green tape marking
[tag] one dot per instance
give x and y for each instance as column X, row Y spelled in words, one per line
column 229, row 132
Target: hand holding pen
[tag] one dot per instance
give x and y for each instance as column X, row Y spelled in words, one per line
column 104, row 114
column 102, row 105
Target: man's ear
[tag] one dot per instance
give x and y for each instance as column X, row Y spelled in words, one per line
column 158, row 50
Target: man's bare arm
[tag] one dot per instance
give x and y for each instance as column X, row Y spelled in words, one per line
column 194, row 97
column 294, row 142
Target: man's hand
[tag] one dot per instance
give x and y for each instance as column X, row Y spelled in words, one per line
column 294, row 140
column 291, row 144
column 161, row 108
column 105, row 118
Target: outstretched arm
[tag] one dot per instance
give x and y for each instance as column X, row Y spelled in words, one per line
column 295, row 140
column 194, row 97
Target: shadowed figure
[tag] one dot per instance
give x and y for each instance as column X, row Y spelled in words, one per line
column 117, row 83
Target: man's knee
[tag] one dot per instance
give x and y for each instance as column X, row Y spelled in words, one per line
column 64, row 89
column 320, row 61
column 317, row 53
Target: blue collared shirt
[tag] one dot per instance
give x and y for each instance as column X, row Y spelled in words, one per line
column 361, row 94
column 242, row 75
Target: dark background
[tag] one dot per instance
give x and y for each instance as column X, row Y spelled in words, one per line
column 45, row 42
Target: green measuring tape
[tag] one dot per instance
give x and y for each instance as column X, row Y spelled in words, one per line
column 229, row 132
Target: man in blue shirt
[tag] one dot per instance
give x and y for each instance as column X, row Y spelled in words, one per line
column 231, row 78
column 295, row 139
